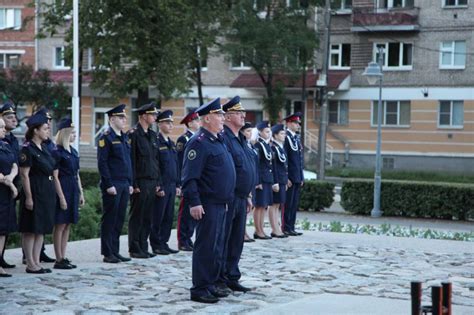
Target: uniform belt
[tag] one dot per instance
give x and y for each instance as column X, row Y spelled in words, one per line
column 50, row 177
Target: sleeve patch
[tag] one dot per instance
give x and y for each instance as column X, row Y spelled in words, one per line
column 23, row 157
column 101, row 143
column 192, row 155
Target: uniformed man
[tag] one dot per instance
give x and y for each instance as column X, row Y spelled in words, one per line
column 146, row 181
column 242, row 203
column 208, row 185
column 186, row 224
column 115, row 168
column 163, row 211
column 7, row 112
column 294, row 152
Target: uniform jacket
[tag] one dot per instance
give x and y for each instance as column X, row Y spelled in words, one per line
column 169, row 167
column 294, row 152
column 280, row 165
column 265, row 158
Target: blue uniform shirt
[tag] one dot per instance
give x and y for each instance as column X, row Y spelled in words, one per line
column 14, row 145
column 243, row 160
column 280, row 165
column 265, row 157
column 208, row 174
column 170, row 171
column 181, row 146
column 294, row 152
column 113, row 154
column 50, row 145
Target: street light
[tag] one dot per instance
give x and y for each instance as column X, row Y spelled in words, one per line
column 374, row 73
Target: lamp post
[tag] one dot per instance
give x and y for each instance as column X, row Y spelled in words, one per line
column 374, row 72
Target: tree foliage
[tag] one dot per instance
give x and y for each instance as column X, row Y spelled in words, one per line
column 276, row 40
column 22, row 85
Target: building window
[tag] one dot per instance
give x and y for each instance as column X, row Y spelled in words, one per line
column 10, row 19
column 240, row 62
column 340, row 56
column 9, row 60
column 454, row 3
column 59, row 58
column 343, row 5
column 394, row 113
column 388, row 163
column 339, row 112
column 388, row 4
column 451, row 114
column 453, row 55
column 396, row 56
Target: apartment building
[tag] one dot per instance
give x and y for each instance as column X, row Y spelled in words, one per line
column 428, row 84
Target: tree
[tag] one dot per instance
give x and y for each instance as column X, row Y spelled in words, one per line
column 275, row 39
column 22, row 85
column 136, row 43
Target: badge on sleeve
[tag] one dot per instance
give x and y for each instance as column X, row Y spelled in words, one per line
column 179, row 146
column 101, row 143
column 23, row 157
column 192, row 155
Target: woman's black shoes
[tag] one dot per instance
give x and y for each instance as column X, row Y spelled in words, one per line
column 63, row 264
column 278, row 236
column 5, row 275
column 39, row 271
column 257, row 237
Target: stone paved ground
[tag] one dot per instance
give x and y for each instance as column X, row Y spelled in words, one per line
column 281, row 271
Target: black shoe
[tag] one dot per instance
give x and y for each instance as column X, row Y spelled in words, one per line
column 138, row 255
column 6, row 265
column 69, row 262
column 185, row 248
column 47, row 270
column 249, row 240
column 111, row 259
column 5, row 275
column 220, row 293
column 36, row 271
column 150, row 255
column 235, row 286
column 171, row 251
column 63, row 264
column 210, row 299
column 161, row 251
column 290, row 233
column 121, row 258
column 257, row 237
column 278, row 236
column 297, row 233
column 45, row 258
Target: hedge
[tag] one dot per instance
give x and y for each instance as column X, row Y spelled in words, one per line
column 89, row 178
column 316, row 195
column 411, row 199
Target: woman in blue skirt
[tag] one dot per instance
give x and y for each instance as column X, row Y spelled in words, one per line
column 69, row 190
column 8, row 191
column 265, row 176
column 280, row 179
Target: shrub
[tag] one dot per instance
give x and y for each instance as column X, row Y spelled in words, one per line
column 412, row 199
column 89, row 178
column 316, row 195
column 89, row 216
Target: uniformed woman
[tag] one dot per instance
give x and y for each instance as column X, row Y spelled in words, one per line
column 38, row 200
column 69, row 190
column 280, row 179
column 265, row 182
column 8, row 192
column 246, row 130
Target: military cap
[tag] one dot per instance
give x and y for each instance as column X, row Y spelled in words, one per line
column 189, row 117
column 277, row 128
column 233, row 105
column 211, row 107
column 37, row 119
column 166, row 115
column 118, row 110
column 263, row 124
column 147, row 109
column 45, row 112
column 7, row 109
column 66, row 122
column 247, row 125
column 296, row 117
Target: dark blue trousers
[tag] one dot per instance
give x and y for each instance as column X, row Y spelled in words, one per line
column 234, row 235
column 113, row 217
column 162, row 218
column 291, row 207
column 208, row 249
column 186, row 225
column 140, row 216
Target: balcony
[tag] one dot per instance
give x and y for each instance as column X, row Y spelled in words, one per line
column 385, row 20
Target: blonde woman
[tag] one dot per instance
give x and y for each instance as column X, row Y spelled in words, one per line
column 69, row 191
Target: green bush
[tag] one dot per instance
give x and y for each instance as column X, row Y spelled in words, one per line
column 411, row 199
column 89, row 216
column 316, row 195
column 89, row 178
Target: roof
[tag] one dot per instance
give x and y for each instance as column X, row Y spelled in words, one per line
column 252, row 80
